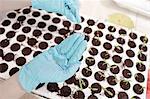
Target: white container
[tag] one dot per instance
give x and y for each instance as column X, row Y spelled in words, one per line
column 138, row 6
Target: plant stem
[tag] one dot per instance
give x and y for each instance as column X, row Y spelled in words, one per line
column 110, row 93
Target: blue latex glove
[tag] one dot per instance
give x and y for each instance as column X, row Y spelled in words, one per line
column 68, row 8
column 57, row 64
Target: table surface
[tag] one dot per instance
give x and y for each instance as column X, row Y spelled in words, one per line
column 99, row 9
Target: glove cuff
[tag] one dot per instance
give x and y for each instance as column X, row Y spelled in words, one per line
column 27, row 81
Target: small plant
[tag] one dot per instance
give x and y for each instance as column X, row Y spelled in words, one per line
column 110, row 93
column 101, row 74
column 90, row 59
column 126, row 81
column 114, row 66
column 118, row 47
column 145, row 40
column 88, row 69
column 81, row 83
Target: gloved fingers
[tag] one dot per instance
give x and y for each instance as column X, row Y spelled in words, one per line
column 67, row 44
column 76, row 17
column 74, row 47
column 66, row 7
column 78, row 53
column 72, row 69
column 74, row 7
column 27, row 78
column 70, row 15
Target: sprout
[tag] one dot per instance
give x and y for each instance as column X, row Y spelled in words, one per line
column 123, row 34
column 143, row 46
column 90, row 50
column 106, row 63
column 129, row 73
column 140, row 63
column 110, row 93
column 121, row 39
column 125, row 81
column 142, row 88
column 115, row 66
column 116, row 80
column 133, row 98
column 131, row 34
column 101, row 74
column 118, row 47
column 93, row 89
column 89, row 59
column 135, row 75
column 95, row 37
column 106, row 54
column 81, row 83
column 109, row 35
column 145, row 39
column 88, row 69
column 140, row 53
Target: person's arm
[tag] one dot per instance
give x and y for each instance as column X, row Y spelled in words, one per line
column 11, row 88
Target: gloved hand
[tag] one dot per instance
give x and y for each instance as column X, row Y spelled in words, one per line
column 54, row 65
column 68, row 8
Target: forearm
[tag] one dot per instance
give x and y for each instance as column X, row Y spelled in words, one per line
column 11, row 88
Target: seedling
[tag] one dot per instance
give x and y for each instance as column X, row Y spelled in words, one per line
column 145, row 40
column 126, row 81
column 101, row 74
column 118, row 47
column 116, row 80
column 110, row 93
column 115, row 66
column 89, row 59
